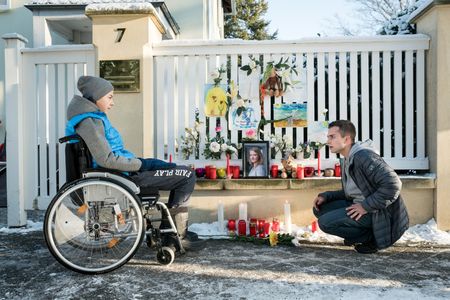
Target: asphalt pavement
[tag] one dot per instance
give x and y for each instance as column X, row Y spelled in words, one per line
column 227, row 269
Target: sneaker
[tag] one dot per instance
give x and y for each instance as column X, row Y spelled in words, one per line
column 366, row 248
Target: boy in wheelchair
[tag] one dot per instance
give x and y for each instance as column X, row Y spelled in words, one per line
column 87, row 117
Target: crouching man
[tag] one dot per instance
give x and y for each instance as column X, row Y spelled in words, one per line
column 369, row 211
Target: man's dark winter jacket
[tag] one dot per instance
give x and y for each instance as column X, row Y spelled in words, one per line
column 381, row 187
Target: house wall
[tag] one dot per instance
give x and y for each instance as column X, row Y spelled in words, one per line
column 435, row 22
column 132, row 116
column 198, row 19
column 17, row 19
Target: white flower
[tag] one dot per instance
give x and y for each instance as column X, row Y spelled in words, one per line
column 214, row 147
column 224, row 147
column 232, row 149
column 324, row 111
column 214, row 74
column 240, row 103
column 272, row 145
column 252, row 64
column 279, row 73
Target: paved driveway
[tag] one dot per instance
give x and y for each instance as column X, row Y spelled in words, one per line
column 230, row 270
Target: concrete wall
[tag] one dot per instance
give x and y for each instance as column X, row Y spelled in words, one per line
column 130, row 115
column 267, row 203
column 16, row 20
column 435, row 22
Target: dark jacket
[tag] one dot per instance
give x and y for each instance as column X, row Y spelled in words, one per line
column 381, row 187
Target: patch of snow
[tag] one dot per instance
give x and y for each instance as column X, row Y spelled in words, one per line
column 422, row 233
column 109, row 7
column 31, row 226
column 426, row 233
column 83, row 2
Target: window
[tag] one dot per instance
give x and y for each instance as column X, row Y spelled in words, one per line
column 5, row 4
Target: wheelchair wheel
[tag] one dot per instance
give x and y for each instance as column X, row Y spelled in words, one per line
column 165, row 256
column 95, row 233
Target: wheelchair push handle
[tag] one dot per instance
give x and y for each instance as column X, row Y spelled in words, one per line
column 65, row 139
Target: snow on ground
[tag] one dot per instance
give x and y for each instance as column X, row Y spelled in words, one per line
column 31, row 226
column 419, row 234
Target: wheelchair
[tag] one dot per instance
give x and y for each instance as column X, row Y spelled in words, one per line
column 99, row 217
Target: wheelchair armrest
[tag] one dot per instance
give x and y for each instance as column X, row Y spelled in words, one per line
column 74, row 137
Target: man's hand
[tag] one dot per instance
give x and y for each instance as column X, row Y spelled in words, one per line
column 318, row 201
column 356, row 211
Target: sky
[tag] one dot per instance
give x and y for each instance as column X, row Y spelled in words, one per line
column 305, row 18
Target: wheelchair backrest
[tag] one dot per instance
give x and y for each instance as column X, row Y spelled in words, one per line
column 78, row 157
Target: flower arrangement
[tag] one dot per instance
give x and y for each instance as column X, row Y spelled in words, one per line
column 190, row 142
column 281, row 144
column 217, row 74
column 214, row 147
column 249, row 135
column 252, row 65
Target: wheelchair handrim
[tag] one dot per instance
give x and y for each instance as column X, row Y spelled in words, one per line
column 86, row 183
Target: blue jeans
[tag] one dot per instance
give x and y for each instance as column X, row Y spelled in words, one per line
column 332, row 218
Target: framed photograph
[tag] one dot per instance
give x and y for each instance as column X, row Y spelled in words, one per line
column 255, row 158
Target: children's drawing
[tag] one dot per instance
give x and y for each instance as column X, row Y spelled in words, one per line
column 290, row 114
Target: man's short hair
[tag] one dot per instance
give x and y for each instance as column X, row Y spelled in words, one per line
column 345, row 128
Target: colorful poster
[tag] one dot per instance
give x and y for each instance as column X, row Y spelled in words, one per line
column 244, row 114
column 215, row 100
column 290, row 114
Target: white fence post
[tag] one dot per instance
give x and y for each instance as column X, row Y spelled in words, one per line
column 14, row 129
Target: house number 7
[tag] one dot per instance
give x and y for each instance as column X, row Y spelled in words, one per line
column 120, row 33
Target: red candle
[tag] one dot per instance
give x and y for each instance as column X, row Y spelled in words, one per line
column 266, row 228
column 231, row 225
column 314, row 226
column 274, row 171
column 275, row 225
column 170, row 158
column 228, row 165
column 300, row 172
column 252, row 227
column 236, row 171
column 242, row 227
column 261, row 227
column 337, row 170
column 212, row 172
column 318, row 163
column 207, row 171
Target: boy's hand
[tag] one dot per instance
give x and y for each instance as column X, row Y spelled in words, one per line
column 151, row 164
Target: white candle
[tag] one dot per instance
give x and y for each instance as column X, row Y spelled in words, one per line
column 243, row 211
column 287, row 218
column 220, row 216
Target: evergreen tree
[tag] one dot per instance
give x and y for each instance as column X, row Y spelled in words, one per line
column 248, row 23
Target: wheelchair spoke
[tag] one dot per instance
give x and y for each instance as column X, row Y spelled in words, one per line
column 93, row 240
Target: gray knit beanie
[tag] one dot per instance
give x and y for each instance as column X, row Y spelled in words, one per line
column 94, row 88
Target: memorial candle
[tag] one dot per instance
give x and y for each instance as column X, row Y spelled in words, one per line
column 220, row 219
column 243, row 211
column 287, row 218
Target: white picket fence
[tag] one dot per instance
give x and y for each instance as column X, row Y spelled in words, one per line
column 385, row 98
column 47, row 82
column 378, row 83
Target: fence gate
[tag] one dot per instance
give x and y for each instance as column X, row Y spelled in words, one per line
column 46, row 81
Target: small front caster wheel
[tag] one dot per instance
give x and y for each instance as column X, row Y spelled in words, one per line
column 165, row 256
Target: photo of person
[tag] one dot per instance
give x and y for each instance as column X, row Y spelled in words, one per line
column 255, row 159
